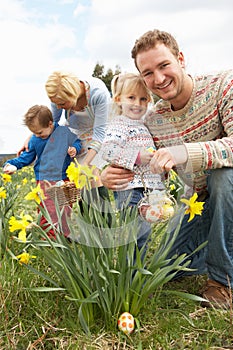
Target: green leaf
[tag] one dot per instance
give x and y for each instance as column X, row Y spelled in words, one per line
column 45, row 289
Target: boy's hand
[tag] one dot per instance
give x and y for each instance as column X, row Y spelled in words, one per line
column 9, row 169
column 72, row 152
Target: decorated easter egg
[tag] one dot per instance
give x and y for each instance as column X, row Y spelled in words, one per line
column 153, row 213
column 126, row 323
column 167, row 211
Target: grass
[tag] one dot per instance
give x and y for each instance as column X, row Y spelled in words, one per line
column 32, row 320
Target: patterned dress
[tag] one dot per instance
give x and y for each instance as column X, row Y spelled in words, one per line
column 124, row 138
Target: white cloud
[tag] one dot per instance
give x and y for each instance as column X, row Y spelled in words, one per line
column 38, row 38
column 79, row 10
column 202, row 28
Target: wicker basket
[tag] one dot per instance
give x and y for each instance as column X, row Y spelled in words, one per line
column 66, row 194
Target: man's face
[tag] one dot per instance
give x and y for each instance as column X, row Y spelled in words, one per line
column 162, row 72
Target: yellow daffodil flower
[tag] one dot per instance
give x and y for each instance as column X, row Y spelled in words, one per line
column 80, row 174
column 21, row 225
column 173, row 175
column 36, row 194
column 25, row 257
column 6, row 177
column 172, row 187
column 194, row 208
column 89, row 171
column 2, row 193
column 24, row 181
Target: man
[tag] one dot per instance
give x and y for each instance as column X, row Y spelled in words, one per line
column 192, row 127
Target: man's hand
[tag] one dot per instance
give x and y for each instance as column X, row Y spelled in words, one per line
column 165, row 159
column 116, row 178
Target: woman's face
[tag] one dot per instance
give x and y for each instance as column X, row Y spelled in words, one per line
column 62, row 104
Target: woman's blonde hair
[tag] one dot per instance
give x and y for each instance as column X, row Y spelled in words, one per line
column 126, row 83
column 63, row 85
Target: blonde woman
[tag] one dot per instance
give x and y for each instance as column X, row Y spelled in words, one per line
column 85, row 104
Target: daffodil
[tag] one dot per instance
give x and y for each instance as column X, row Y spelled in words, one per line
column 36, row 194
column 2, row 193
column 173, row 175
column 193, row 207
column 24, row 181
column 172, row 187
column 20, row 225
column 6, row 177
column 80, row 174
column 25, row 257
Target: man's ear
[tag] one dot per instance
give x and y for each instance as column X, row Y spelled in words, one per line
column 181, row 59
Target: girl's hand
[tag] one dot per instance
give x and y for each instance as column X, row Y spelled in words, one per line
column 145, row 157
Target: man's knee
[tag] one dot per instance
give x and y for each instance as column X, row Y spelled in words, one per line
column 220, row 182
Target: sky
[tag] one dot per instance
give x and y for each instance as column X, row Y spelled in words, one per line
column 40, row 36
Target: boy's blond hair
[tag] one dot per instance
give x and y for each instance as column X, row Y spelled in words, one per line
column 40, row 114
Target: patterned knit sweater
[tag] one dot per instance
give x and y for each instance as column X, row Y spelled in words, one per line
column 204, row 125
column 124, row 138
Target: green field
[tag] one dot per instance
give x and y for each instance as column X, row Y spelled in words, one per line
column 69, row 296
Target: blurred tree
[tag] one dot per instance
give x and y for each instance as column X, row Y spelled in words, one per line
column 98, row 72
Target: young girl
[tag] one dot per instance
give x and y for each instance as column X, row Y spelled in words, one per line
column 128, row 142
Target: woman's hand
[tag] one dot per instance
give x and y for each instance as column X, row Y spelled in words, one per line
column 24, row 147
column 116, row 178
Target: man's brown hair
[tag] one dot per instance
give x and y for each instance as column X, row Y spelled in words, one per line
column 150, row 39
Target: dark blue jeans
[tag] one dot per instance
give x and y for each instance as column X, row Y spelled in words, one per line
column 132, row 198
column 215, row 225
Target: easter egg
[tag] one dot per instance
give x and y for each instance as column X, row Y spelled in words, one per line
column 168, row 211
column 126, row 323
column 153, row 213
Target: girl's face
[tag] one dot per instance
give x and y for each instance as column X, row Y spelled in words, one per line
column 134, row 104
